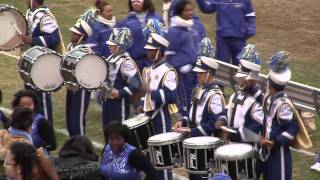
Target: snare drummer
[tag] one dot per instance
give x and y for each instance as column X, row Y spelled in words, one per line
column 207, row 102
column 160, row 81
column 280, row 123
column 124, row 77
column 43, row 30
column 245, row 105
column 77, row 101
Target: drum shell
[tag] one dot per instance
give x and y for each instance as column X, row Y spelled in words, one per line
column 28, row 59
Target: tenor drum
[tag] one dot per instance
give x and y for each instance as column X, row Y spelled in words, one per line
column 166, row 150
column 12, row 23
column 198, row 154
column 141, row 129
column 39, row 67
column 237, row 160
column 81, row 68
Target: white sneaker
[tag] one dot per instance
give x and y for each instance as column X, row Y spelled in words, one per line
column 316, row 167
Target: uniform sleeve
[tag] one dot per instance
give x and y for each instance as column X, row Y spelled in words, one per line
column 46, row 132
column 132, row 76
column 250, row 18
column 50, row 31
column 288, row 125
column 207, row 7
column 94, row 39
column 257, row 117
column 140, row 162
column 168, row 93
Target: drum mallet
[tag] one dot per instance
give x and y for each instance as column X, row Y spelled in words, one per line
column 17, row 29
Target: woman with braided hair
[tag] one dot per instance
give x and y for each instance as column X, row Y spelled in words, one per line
column 24, row 162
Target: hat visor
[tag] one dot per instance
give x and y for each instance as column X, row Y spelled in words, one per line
column 111, row 43
column 75, row 31
column 198, row 70
column 241, row 75
column 149, row 47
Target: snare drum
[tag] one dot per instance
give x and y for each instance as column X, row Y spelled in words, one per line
column 11, row 22
column 81, row 68
column 237, row 160
column 166, row 150
column 198, row 154
column 141, row 129
column 39, row 67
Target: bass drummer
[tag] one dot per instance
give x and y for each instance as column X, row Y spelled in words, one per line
column 43, row 30
column 123, row 77
column 207, row 107
column 77, row 101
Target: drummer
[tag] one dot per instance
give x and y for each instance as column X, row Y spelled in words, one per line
column 207, row 109
column 207, row 100
column 160, row 81
column 77, row 101
column 244, row 110
column 281, row 126
column 43, row 30
column 123, row 75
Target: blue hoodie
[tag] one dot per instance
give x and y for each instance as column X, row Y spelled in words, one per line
column 234, row 19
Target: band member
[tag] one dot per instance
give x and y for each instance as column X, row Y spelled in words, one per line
column 106, row 22
column 43, row 30
column 207, row 102
column 120, row 160
column 140, row 11
column 124, row 77
column 245, row 105
column 160, row 81
column 280, row 123
column 77, row 100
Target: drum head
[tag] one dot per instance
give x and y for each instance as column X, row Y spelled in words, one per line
column 10, row 38
column 45, row 72
column 201, row 142
column 136, row 121
column 235, row 151
column 165, row 139
column 91, row 72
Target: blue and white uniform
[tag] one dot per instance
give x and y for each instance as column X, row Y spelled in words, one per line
column 206, row 109
column 44, row 30
column 136, row 23
column 124, row 75
column 281, row 127
column 236, row 21
column 116, row 166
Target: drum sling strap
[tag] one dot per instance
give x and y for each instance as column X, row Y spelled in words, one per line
column 235, row 103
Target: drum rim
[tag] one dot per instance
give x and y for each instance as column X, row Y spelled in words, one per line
column 136, row 125
column 246, row 155
column 201, row 145
column 24, row 19
column 77, row 83
column 24, row 54
column 167, row 142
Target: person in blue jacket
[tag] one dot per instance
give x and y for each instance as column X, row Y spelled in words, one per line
column 140, row 11
column 43, row 30
column 160, row 81
column 182, row 53
column 198, row 27
column 244, row 109
column 102, row 30
column 280, row 123
column 236, row 22
column 42, row 132
column 123, row 75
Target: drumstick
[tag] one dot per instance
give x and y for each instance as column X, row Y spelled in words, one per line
column 17, row 29
column 228, row 129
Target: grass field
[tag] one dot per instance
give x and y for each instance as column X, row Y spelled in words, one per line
column 281, row 25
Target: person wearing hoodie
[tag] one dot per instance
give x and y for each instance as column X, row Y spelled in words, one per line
column 140, row 11
column 182, row 53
